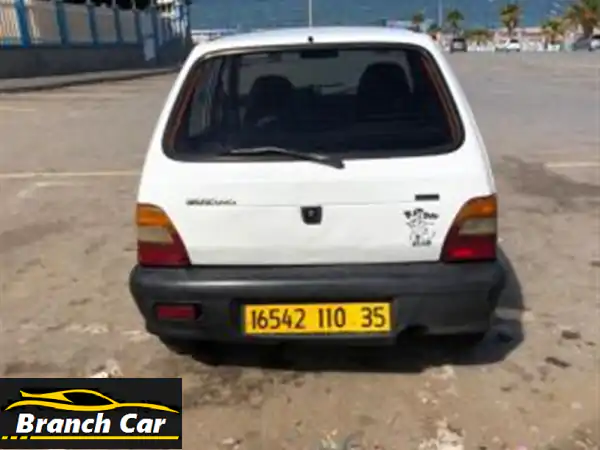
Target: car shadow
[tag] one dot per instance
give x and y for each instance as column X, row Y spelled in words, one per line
column 411, row 354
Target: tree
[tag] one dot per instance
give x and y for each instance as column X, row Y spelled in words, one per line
column 417, row 20
column 584, row 14
column 553, row 30
column 510, row 16
column 454, row 18
column 433, row 30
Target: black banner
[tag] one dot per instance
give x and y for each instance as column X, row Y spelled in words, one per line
column 94, row 413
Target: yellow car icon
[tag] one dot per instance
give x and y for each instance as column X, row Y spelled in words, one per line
column 59, row 400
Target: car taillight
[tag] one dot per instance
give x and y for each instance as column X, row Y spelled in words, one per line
column 158, row 243
column 473, row 235
column 175, row 312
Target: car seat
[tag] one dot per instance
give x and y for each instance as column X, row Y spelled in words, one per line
column 383, row 89
column 268, row 100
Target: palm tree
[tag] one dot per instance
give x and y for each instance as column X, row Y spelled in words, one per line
column 417, row 20
column 454, row 19
column 553, row 30
column 584, row 14
column 510, row 16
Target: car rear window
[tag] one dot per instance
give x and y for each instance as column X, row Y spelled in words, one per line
column 354, row 102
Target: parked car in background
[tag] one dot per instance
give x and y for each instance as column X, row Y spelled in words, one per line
column 511, row 45
column 458, row 44
column 590, row 44
column 553, row 47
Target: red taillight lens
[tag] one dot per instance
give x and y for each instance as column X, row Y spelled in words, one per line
column 473, row 234
column 176, row 312
column 158, row 242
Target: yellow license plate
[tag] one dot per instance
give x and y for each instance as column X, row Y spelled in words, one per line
column 322, row 318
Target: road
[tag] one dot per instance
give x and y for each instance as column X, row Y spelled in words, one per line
column 69, row 161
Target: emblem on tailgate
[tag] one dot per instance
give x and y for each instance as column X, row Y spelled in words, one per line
column 210, row 202
column 421, row 224
column 311, row 215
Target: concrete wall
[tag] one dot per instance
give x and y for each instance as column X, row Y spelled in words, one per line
column 18, row 62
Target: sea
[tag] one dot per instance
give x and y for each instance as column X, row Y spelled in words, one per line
column 258, row 14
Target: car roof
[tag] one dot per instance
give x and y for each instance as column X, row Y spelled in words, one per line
column 320, row 35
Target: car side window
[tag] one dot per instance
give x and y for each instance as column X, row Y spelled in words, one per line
column 203, row 105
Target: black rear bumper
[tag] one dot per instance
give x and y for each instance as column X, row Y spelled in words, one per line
column 440, row 298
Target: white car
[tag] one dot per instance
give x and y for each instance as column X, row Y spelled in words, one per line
column 591, row 43
column 511, row 45
column 318, row 183
column 458, row 44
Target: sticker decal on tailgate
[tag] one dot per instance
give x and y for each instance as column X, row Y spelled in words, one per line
column 421, row 224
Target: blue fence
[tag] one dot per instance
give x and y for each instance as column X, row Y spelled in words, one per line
column 26, row 23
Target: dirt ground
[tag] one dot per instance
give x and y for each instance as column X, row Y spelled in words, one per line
column 69, row 161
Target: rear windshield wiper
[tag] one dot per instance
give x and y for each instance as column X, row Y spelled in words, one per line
column 327, row 160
